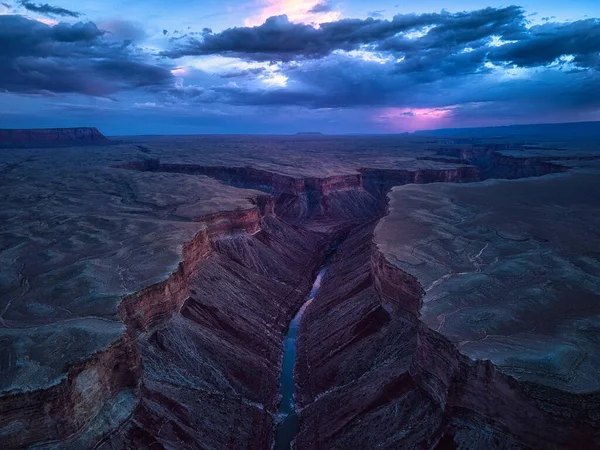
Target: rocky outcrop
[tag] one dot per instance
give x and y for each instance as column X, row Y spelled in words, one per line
column 94, row 398
column 298, row 200
column 251, row 178
column 48, row 137
column 160, row 300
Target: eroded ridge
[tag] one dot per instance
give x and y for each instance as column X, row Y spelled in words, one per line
column 200, row 360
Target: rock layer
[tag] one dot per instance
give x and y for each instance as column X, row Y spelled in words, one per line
column 47, row 137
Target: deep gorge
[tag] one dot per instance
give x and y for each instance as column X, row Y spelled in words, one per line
column 200, row 363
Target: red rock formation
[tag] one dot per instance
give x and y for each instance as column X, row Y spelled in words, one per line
column 43, row 137
column 95, row 397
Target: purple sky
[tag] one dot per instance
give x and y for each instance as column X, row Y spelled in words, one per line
column 267, row 66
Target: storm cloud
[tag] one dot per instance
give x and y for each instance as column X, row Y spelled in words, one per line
column 470, row 63
column 543, row 44
column 48, row 10
column 458, row 60
column 37, row 58
column 450, row 43
column 279, row 39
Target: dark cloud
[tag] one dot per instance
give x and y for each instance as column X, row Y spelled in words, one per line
column 321, row 7
column 279, row 39
column 455, row 32
column 340, row 81
column 132, row 74
column 440, row 53
column 37, row 58
column 48, row 10
column 461, row 61
column 243, row 73
column 20, row 37
column 123, row 30
column 443, row 44
column 543, row 44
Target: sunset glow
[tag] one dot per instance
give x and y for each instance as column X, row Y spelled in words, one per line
column 366, row 67
column 411, row 119
column 296, row 10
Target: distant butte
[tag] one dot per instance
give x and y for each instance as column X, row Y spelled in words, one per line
column 42, row 137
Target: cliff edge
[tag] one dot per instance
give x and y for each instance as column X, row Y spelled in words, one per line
column 50, row 137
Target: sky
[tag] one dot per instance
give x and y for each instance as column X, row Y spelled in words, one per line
column 287, row 66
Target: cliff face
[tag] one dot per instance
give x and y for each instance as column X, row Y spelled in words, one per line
column 43, row 137
column 200, row 353
column 211, row 343
column 348, row 198
column 371, row 375
column 497, row 165
column 298, row 200
column 96, row 397
column 379, row 181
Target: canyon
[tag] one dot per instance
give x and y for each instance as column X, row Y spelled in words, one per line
column 188, row 351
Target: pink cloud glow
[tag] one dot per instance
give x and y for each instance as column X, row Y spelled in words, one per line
column 180, row 71
column 47, row 21
column 411, row 119
column 296, row 10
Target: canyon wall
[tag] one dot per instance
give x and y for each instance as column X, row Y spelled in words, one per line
column 94, row 398
column 211, row 369
column 379, row 181
column 371, row 375
column 200, row 357
column 497, row 165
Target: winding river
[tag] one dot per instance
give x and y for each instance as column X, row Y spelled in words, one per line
column 288, row 424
